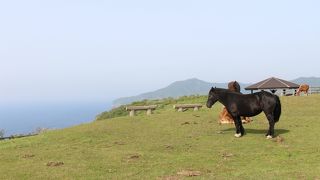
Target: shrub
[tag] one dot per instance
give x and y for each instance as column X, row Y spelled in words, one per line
column 116, row 112
column 161, row 104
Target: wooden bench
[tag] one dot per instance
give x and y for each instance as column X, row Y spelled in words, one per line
column 182, row 107
column 133, row 109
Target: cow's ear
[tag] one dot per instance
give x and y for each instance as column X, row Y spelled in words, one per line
column 212, row 89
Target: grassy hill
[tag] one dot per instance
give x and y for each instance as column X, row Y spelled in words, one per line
column 172, row 145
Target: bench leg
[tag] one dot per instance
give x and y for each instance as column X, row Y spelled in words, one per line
column 132, row 113
column 196, row 109
column 180, row 109
column 149, row 112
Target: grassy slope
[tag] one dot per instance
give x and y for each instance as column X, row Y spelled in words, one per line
column 149, row 147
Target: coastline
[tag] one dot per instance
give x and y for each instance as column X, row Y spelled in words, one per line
column 25, row 119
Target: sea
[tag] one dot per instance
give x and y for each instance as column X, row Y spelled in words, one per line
column 27, row 118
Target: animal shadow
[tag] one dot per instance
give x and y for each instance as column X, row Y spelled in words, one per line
column 259, row 131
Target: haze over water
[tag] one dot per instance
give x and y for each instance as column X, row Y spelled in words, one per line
column 22, row 119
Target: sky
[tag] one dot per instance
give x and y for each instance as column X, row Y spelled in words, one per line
column 96, row 50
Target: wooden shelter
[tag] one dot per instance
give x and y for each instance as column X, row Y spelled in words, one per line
column 273, row 84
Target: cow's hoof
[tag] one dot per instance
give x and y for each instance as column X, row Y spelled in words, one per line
column 269, row 137
column 237, row 135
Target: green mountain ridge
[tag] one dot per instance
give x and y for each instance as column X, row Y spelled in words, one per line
column 187, row 87
column 312, row 81
column 196, row 86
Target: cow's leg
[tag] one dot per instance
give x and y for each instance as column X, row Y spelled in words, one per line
column 239, row 127
column 270, row 133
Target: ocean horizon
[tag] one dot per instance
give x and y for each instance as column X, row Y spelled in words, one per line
column 26, row 118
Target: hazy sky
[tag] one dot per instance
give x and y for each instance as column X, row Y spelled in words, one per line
column 76, row 50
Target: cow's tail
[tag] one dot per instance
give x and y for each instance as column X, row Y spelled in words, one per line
column 277, row 110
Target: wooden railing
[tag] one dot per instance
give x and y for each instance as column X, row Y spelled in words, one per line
column 314, row 90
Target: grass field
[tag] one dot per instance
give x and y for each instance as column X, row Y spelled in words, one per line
column 172, row 145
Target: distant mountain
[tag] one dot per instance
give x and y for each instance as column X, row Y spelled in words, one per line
column 312, row 81
column 180, row 88
column 197, row 87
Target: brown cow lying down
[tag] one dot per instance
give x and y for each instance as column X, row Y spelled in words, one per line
column 225, row 118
